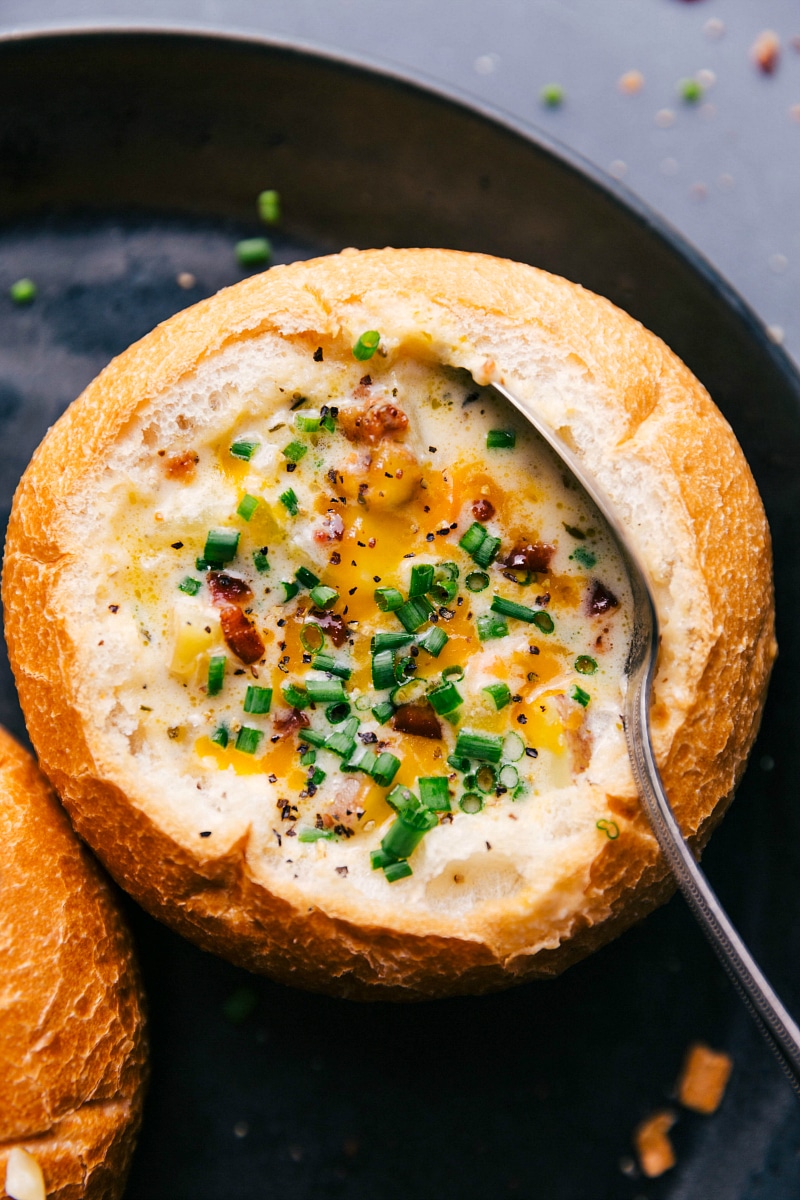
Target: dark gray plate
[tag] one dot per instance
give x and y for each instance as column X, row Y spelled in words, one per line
column 127, row 158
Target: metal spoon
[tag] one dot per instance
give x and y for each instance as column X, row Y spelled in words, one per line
column 775, row 1023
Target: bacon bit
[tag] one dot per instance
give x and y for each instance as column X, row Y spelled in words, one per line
column 419, row 719
column 241, row 635
column 703, row 1079
column 344, row 808
column 372, row 424
column 332, row 624
column 287, row 720
column 766, row 50
column 653, row 1147
column 534, row 557
column 600, row 600
column 226, row 589
column 181, row 466
column 483, row 510
column 331, row 529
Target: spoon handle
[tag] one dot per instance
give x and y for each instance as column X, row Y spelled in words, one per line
column 778, row 1027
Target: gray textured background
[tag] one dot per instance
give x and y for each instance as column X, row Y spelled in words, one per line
column 725, row 172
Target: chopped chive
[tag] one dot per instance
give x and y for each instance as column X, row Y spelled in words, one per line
column 486, row 553
column 485, row 778
column 471, row 802
column 407, row 831
column 362, row 759
column 221, row 546
column 457, row 763
column 306, row 578
column 585, row 665
column 445, row 698
column 421, row 579
column 378, row 859
column 385, row 768
column 509, row 776
column 434, row 640
column 510, row 608
column 247, row 739
column 257, row 700
column 308, row 759
column 317, row 776
column 329, row 422
column 312, row 638
column 247, row 506
column 295, row 696
column 316, row 835
column 383, row 670
column 410, row 691
column 351, row 726
column 473, row 538
column 388, row 599
column 340, row 743
column 23, row 291
column 190, row 586
column 294, row 451
column 583, row 556
column 216, row 674
column 580, row 696
column 414, row 613
column 323, row 597
column 487, row 747
column 244, row 450
column 397, row 870
column 501, row 439
column 290, row 590
column 338, row 712
column 609, row 828
column 312, row 737
column 434, row 793
column 391, row 641
column 307, row 422
column 200, row 564
column 366, row 345
column 477, row 581
column 444, row 590
column 500, row 693
column 289, row 501
column 544, row 621
column 454, row 672
column 513, row 747
column 383, row 711
column 520, row 791
column 325, row 691
column 491, row 626
column 253, row 252
column 401, row 798
column 269, row 206
column 326, row 662
column 260, row 561
column 220, row 737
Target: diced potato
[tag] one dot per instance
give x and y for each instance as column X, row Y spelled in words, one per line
column 196, row 633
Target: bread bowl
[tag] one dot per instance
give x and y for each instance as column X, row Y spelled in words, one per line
column 178, row 451
column 72, row 1040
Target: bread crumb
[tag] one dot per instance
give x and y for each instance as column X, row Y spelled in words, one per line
column 653, row 1147
column 703, row 1079
column 24, row 1179
column 631, row 82
column 765, row 51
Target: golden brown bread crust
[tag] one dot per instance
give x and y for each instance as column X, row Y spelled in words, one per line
column 72, row 1042
column 658, row 409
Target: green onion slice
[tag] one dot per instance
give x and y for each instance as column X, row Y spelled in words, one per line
column 585, row 665
column 338, row 712
column 471, row 802
column 433, row 640
column 294, row 451
column 289, row 501
column 247, row 506
column 388, row 599
column 434, row 793
column 455, row 672
column 220, row 737
column 477, row 581
column 383, row 711
column 312, row 638
column 390, row 641
column 257, row 699
column 510, row 608
column 221, row 546
column 513, row 747
column 247, row 739
column 316, row 835
column 491, row 626
column 385, row 769
column 253, row 252
column 487, row 747
column 421, row 579
column 414, row 613
column 485, row 778
column 501, row 439
column 260, row 560
column 216, row 674
column 580, row 696
column 500, row 693
column 445, row 698
column 323, row 597
column 190, row 586
column 397, row 870
column 325, row 691
column 326, row 662
column 383, row 669
column 542, row 620
column 290, row 590
column 366, row 345
column 295, row 696
column 308, row 421
column 269, row 206
column 509, row 776
column 244, row 450
column 306, row 578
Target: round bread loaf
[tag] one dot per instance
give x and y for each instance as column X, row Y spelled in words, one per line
column 72, row 1043
column 187, row 432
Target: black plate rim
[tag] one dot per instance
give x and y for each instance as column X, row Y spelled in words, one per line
column 569, row 159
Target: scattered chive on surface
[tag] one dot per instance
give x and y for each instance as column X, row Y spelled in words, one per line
column 307, row 422
column 306, row 578
column 500, row 693
column 295, row 697
column 486, row 747
column 220, row 737
column 583, row 556
column 609, row 828
column 260, row 561
column 433, row 640
column 247, row 506
column 289, row 501
column 435, row 793
column 445, row 698
column 414, row 613
column 325, row 691
column 366, row 345
column 543, row 621
column 221, row 546
column 257, row 700
column 190, row 586
column 326, row 662
column 216, row 674
column 585, row 664
column 396, row 871
column 253, row 252
column 388, row 599
column 312, row 638
column 244, row 450
column 421, row 580
column 294, row 451
column 501, row 439
column 323, row 597
column 23, row 291
column 316, row 835
column 290, row 590
column 477, row 581
column 269, row 206
column 248, row 740
column 510, row 608
column 383, row 711
column 471, row 802
column 491, row 626
column 580, row 696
